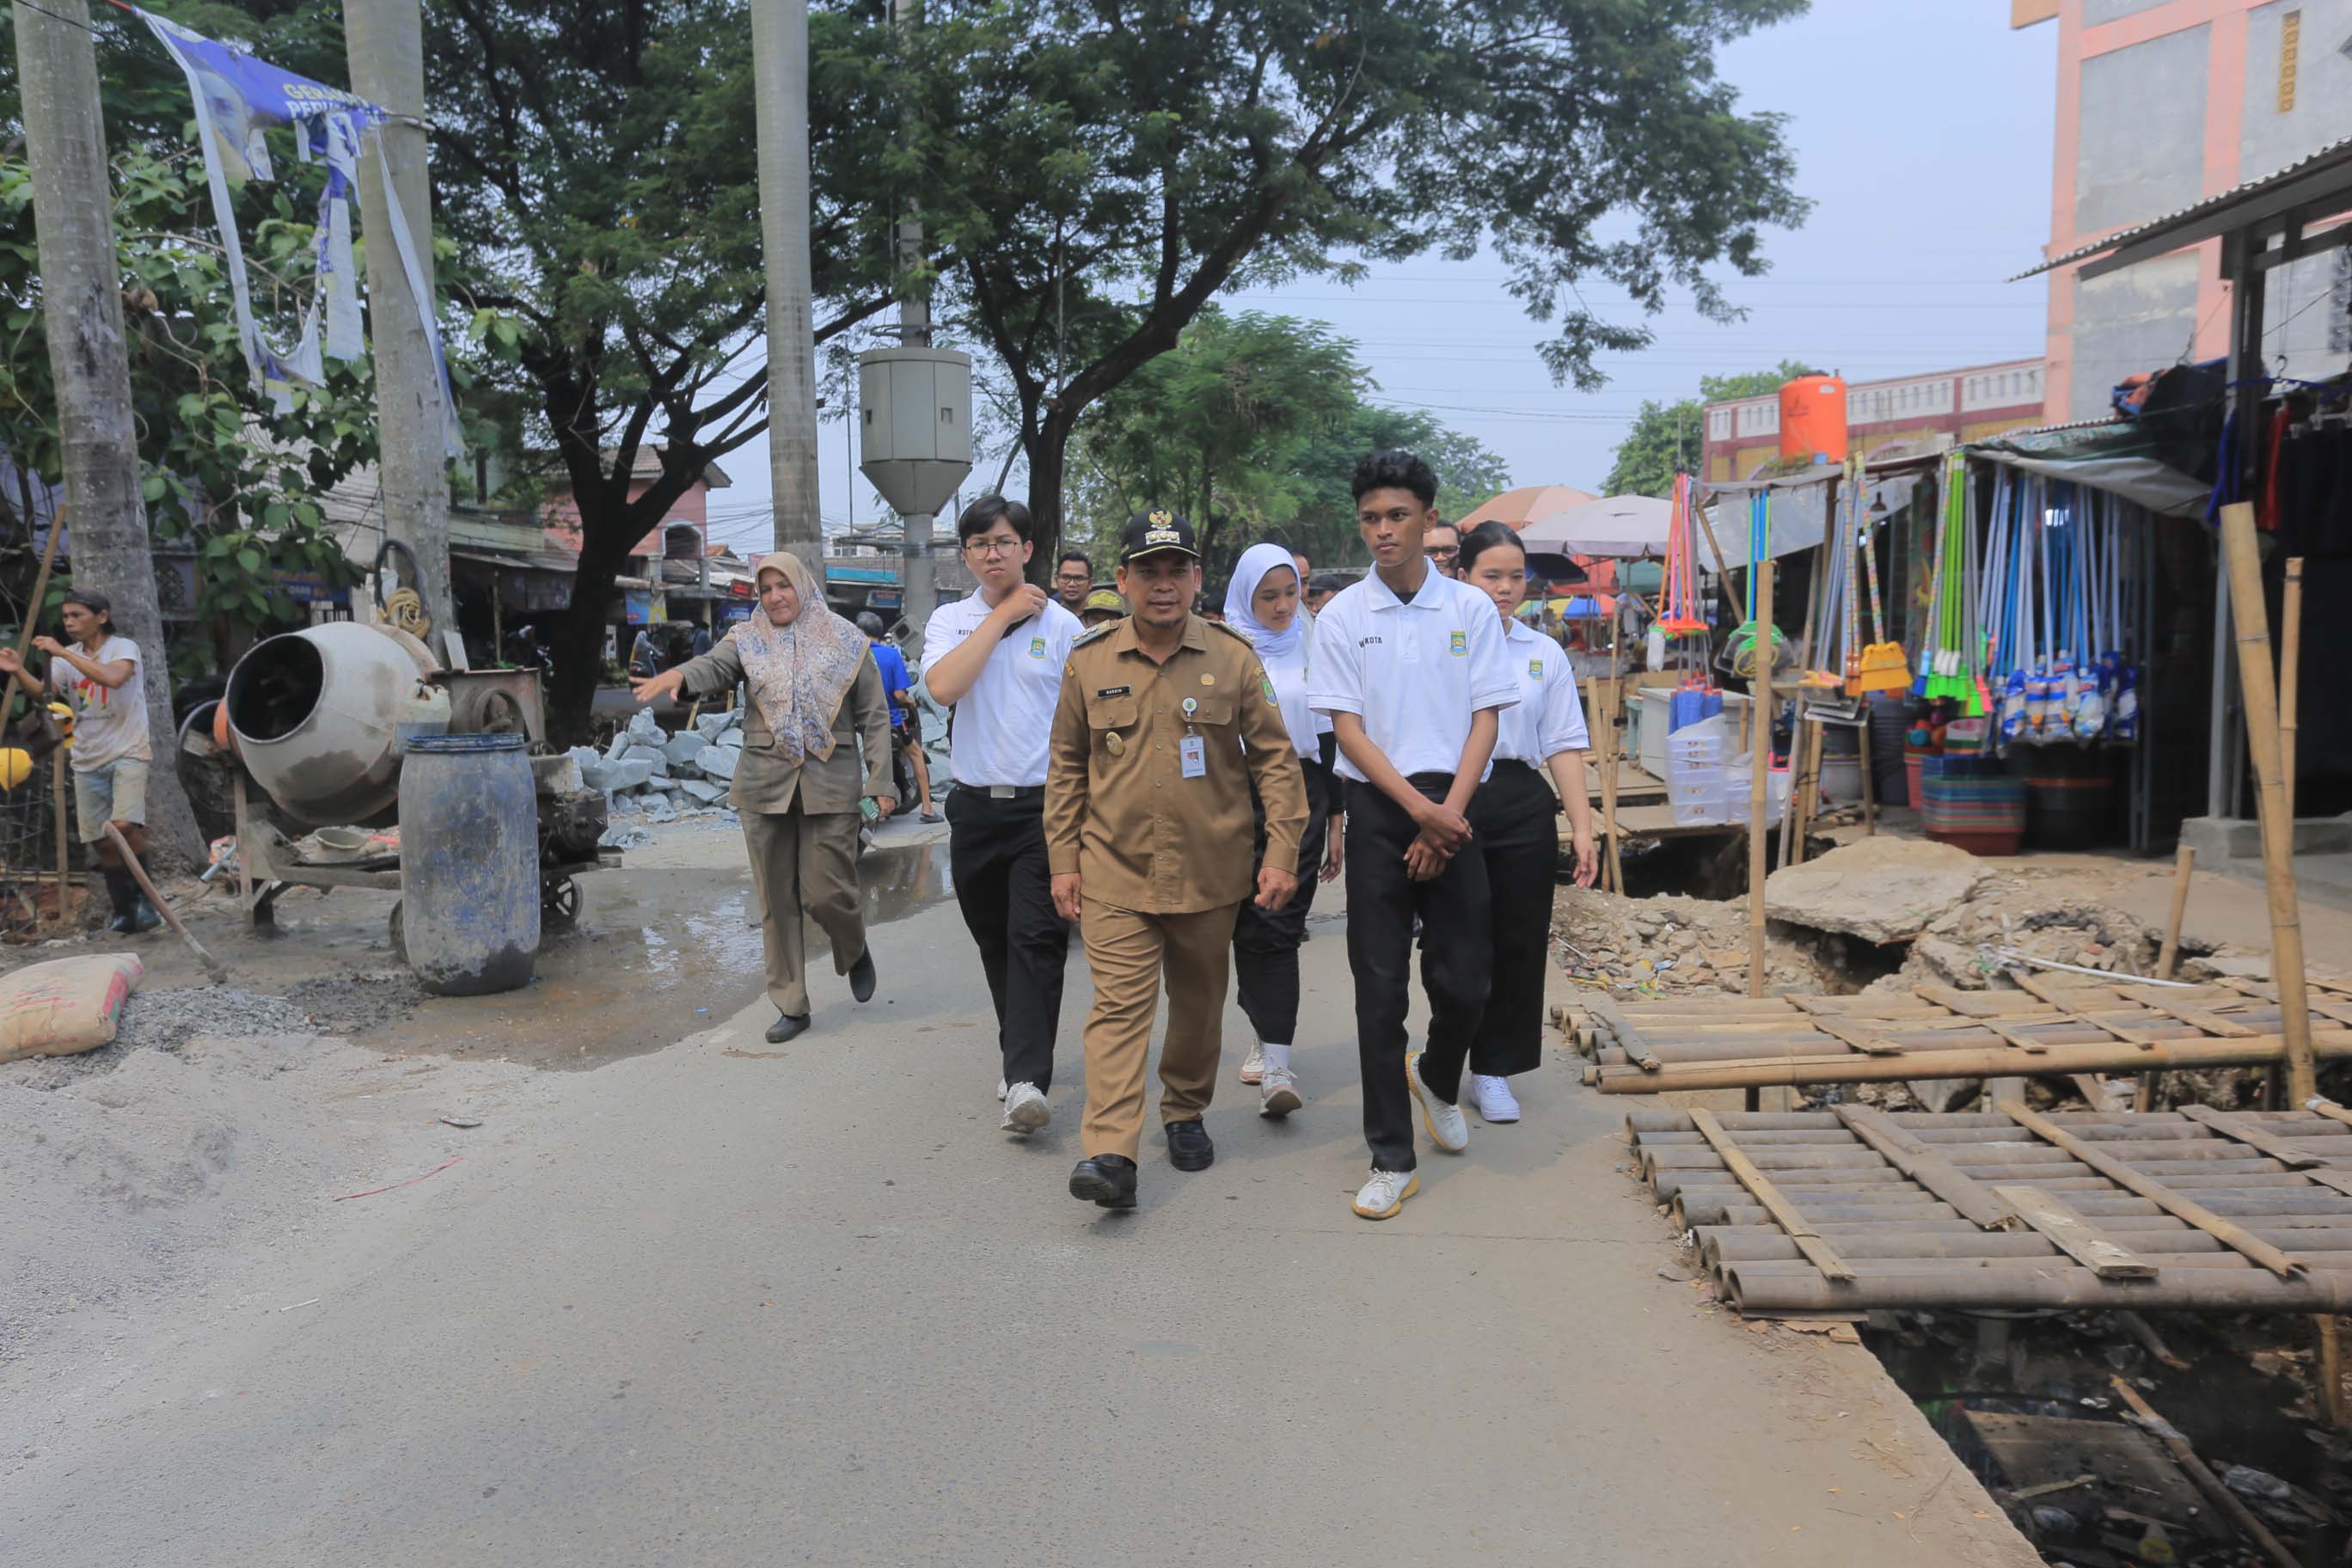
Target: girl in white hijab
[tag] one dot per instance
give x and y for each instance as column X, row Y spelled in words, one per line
column 1263, row 602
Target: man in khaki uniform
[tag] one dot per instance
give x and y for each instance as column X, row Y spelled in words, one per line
column 1164, row 721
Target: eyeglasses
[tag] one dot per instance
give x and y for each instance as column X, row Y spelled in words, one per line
column 1441, row 552
column 1075, row 576
column 990, row 546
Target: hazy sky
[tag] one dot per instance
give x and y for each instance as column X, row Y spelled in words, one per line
column 1922, row 130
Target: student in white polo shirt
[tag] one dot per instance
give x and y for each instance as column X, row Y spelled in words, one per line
column 996, row 658
column 1411, row 667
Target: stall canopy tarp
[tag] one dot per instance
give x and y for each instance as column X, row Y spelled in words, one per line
column 2124, row 457
column 1616, row 526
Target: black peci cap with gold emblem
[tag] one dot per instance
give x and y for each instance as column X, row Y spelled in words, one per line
column 1151, row 532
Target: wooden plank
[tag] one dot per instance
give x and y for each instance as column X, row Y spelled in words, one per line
column 2057, row 997
column 2198, row 1019
column 2329, row 1108
column 2075, row 1236
column 2234, row 1236
column 1928, row 1166
column 1784, row 1214
column 2292, row 1156
column 1870, row 1041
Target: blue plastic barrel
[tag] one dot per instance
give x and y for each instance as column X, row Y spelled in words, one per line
column 469, row 863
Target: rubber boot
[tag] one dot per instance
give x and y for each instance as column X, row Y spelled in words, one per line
column 121, row 891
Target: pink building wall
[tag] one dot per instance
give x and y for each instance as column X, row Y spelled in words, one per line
column 2233, row 54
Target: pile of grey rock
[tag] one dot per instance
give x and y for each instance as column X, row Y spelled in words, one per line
column 647, row 770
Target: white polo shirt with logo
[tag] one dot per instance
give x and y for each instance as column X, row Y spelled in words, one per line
column 1549, row 718
column 1415, row 672
column 1004, row 721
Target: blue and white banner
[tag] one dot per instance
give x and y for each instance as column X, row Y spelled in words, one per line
column 238, row 96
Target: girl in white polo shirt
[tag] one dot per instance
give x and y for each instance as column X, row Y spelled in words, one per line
column 1511, row 824
column 1411, row 666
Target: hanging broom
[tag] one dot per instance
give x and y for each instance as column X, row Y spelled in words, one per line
column 1884, row 665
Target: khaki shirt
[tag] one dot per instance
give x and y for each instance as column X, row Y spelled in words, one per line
column 1119, row 810
column 765, row 782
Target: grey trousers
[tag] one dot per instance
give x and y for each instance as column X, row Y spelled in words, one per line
column 804, row 865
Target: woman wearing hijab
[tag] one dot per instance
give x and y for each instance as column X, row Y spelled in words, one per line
column 1262, row 603
column 815, row 698
column 1512, row 823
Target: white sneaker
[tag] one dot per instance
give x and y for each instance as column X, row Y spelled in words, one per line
column 1002, row 1087
column 1278, row 1094
column 1385, row 1193
column 1492, row 1097
column 1025, row 1109
column 1448, row 1127
column 1254, row 1065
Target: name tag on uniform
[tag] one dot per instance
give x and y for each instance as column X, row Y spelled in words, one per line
column 1115, row 692
column 1192, row 757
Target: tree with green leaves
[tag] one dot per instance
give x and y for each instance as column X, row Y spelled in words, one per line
column 1102, row 173
column 1665, row 437
column 1252, row 424
column 224, row 474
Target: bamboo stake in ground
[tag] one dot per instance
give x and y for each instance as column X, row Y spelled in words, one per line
column 2184, row 867
column 2290, row 676
column 2260, row 697
column 66, row 913
column 213, row 967
column 1760, row 773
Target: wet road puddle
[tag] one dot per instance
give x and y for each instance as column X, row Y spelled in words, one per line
column 658, row 955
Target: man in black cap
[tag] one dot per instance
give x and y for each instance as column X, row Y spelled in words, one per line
column 1164, row 721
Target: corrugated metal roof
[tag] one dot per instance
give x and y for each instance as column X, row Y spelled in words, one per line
column 2314, row 162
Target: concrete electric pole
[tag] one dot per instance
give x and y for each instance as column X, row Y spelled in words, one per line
column 386, row 42
column 81, row 297
column 780, row 90
column 916, row 569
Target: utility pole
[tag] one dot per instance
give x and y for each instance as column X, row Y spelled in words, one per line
column 386, row 42
column 780, row 92
column 81, row 295
column 918, row 571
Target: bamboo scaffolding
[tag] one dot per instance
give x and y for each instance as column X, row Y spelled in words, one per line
column 2011, row 1062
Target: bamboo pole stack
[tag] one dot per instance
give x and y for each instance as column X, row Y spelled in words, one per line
column 1852, row 1209
column 1711, row 1041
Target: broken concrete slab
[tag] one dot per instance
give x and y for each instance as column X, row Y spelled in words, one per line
column 703, row 790
column 1880, row 890
column 615, row 777
column 645, row 726
column 683, row 745
column 718, row 762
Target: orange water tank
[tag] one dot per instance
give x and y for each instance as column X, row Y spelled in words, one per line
column 1812, row 418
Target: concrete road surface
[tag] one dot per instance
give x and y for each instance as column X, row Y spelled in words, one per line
column 736, row 1304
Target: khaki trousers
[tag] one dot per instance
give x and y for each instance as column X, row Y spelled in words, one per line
column 804, row 865
column 1127, row 953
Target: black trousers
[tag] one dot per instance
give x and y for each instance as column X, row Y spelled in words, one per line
column 1266, row 945
column 1512, row 820
column 996, row 853
column 1381, row 903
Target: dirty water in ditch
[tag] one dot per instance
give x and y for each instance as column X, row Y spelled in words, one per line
column 2029, row 1402
column 659, row 952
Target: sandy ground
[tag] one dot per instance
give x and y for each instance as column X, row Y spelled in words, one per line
column 720, row 1302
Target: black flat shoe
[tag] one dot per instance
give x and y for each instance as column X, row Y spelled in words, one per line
column 1189, row 1148
column 861, row 976
column 1106, row 1180
column 787, row 1027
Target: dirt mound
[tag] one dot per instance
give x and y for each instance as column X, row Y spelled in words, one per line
column 117, row 1177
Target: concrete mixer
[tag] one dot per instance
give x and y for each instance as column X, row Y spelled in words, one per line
column 317, row 720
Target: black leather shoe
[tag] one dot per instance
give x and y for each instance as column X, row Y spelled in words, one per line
column 1107, row 1180
column 1189, row 1148
column 861, row 976
column 786, row 1027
